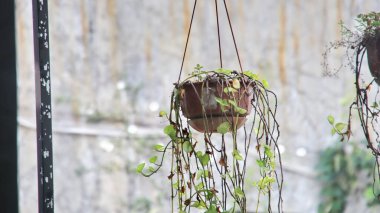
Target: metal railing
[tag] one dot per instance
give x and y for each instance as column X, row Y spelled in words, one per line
column 43, row 107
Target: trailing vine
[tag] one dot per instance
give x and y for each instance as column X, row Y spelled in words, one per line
column 208, row 170
column 357, row 43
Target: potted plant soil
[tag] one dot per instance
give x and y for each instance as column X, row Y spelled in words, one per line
column 208, row 168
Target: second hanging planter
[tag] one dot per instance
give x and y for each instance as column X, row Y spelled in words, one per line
column 372, row 44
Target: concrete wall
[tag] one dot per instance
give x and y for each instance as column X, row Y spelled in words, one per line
column 113, row 64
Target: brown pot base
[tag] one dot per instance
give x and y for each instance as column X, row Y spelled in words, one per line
column 211, row 124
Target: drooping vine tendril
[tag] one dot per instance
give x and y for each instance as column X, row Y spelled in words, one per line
column 219, row 181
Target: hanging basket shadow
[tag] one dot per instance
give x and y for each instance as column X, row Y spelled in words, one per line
column 199, row 103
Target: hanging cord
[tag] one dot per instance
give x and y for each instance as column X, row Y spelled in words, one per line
column 187, row 40
column 233, row 37
column 217, row 24
column 219, row 42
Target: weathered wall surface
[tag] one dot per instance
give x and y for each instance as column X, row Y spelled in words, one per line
column 113, row 64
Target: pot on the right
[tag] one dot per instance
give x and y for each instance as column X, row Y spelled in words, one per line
column 372, row 44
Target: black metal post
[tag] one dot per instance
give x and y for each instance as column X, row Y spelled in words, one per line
column 8, row 110
column 43, row 106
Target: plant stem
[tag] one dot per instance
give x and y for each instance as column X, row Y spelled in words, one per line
column 258, row 201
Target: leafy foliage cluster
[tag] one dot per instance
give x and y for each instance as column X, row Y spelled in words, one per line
column 339, row 128
column 339, row 170
column 368, row 23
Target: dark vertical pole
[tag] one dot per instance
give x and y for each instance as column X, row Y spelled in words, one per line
column 8, row 110
column 43, row 106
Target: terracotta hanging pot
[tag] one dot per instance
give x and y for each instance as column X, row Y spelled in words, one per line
column 372, row 44
column 205, row 114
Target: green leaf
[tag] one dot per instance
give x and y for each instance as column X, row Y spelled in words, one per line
column 240, row 110
column 233, row 103
column 220, row 101
column 199, row 174
column 251, row 75
column 153, row 159
column 159, row 147
column 229, row 90
column 198, row 67
column 224, row 71
column 236, row 83
column 162, row 114
column 331, row 119
column 199, row 154
column 175, row 185
column 223, row 128
column 269, row 180
column 170, row 131
column 333, row 131
column 264, row 182
column 205, row 173
column 187, row 147
column 268, row 152
column 261, row 163
column 196, row 204
column 209, row 195
column 236, row 154
column 140, row 167
column 199, row 205
column 212, row 209
column 199, row 186
column 204, row 159
column 239, row 193
column 340, row 126
column 376, row 23
column 265, row 84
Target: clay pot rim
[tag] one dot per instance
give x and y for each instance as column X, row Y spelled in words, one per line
column 246, row 82
column 213, row 76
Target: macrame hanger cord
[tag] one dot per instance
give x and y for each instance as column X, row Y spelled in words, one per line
column 219, row 41
column 217, row 24
column 187, row 41
column 233, row 36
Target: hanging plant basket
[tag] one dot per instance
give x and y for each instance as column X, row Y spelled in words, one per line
column 215, row 100
column 372, row 44
column 208, row 171
column 364, row 39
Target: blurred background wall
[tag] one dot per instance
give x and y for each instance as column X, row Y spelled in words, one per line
column 113, row 64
